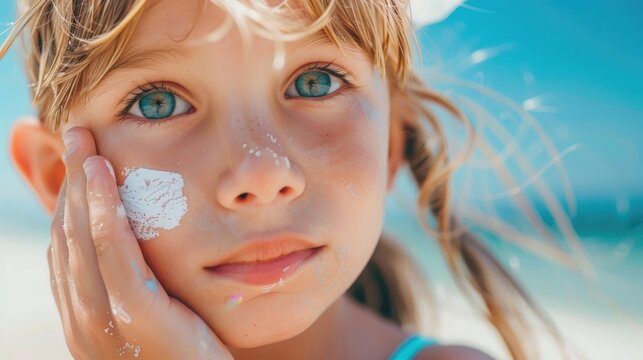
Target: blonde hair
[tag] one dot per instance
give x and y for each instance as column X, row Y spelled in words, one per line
column 73, row 44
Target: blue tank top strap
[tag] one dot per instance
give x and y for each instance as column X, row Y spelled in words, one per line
column 412, row 346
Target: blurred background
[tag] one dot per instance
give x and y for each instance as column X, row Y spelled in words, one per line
column 574, row 70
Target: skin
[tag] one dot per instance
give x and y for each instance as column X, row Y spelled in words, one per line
column 352, row 138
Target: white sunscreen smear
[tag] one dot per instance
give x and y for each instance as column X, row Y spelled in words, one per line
column 153, row 200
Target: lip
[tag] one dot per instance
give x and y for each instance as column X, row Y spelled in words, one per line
column 266, row 260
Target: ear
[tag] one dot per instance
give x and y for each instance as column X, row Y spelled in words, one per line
column 36, row 153
column 401, row 114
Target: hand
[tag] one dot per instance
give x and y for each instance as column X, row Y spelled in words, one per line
column 110, row 303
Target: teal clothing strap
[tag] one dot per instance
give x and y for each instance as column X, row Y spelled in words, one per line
column 412, row 346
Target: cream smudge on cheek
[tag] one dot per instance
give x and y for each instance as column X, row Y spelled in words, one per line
column 153, row 200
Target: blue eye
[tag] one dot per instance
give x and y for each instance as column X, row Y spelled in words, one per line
column 312, row 84
column 159, row 104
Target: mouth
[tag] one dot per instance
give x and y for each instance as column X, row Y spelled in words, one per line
column 264, row 260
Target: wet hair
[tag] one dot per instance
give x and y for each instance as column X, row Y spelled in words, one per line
column 72, row 44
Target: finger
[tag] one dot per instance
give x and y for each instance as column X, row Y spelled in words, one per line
column 65, row 297
column 56, row 222
column 58, row 264
column 131, row 286
column 52, row 278
column 89, row 288
column 63, row 304
column 64, row 283
column 84, row 299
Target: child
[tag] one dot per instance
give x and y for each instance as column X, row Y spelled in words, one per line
column 249, row 148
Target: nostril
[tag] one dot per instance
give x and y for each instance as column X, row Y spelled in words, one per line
column 246, row 197
column 243, row 197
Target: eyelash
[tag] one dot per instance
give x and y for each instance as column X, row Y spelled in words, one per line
column 342, row 74
column 148, row 88
column 136, row 95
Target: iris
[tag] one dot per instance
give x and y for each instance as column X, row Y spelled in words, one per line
column 157, row 105
column 313, row 84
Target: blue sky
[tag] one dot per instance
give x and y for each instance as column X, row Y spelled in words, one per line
column 584, row 60
column 587, row 59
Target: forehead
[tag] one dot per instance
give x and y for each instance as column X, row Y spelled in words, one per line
column 182, row 20
column 173, row 29
column 170, row 41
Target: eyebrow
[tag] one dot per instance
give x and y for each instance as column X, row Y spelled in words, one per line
column 157, row 56
column 150, row 57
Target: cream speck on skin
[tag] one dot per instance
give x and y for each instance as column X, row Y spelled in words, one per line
column 153, row 200
column 276, row 156
column 109, row 330
column 120, row 212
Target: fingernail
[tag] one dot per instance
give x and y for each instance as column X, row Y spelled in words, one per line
column 89, row 171
column 111, row 169
column 69, row 138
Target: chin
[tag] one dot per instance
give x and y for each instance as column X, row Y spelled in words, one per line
column 248, row 338
column 265, row 322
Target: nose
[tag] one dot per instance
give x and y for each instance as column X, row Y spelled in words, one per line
column 261, row 178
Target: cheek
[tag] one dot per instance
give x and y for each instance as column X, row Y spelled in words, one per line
column 169, row 259
column 352, row 153
column 127, row 144
column 154, row 201
column 346, row 179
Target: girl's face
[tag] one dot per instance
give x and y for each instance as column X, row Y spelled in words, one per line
column 233, row 150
